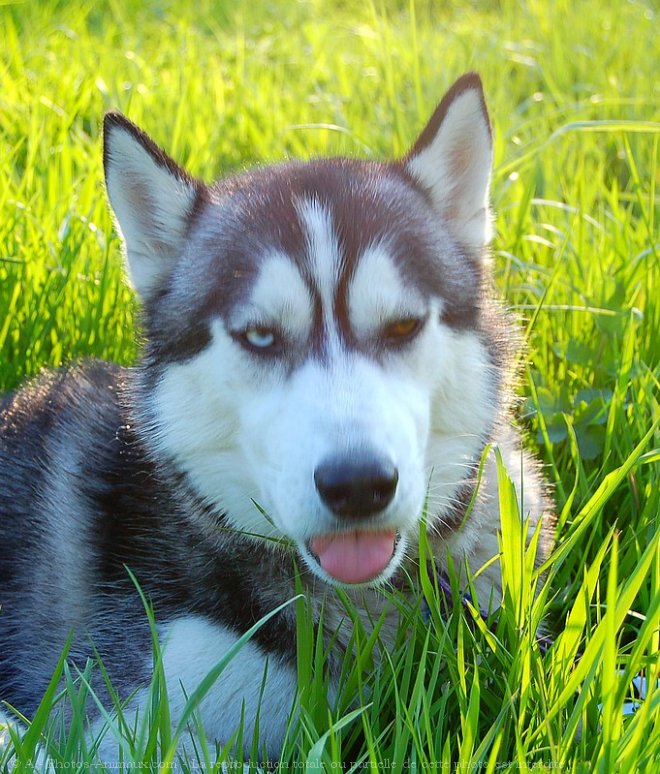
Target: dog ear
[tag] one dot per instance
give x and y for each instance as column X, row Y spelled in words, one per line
column 452, row 160
column 152, row 198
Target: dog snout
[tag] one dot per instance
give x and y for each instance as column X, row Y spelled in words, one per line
column 356, row 488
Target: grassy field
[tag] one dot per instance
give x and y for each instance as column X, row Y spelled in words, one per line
column 574, row 95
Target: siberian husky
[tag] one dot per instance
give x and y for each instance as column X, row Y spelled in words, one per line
column 323, row 366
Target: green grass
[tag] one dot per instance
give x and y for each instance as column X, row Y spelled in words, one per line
column 574, row 95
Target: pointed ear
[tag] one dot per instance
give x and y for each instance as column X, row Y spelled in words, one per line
column 152, row 198
column 452, row 159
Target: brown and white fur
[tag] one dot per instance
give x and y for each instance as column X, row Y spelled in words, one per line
column 322, row 361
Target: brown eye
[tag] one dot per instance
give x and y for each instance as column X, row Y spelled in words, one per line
column 399, row 331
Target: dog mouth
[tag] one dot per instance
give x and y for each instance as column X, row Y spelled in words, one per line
column 359, row 556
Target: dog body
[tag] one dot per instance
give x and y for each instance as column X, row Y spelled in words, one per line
column 323, row 365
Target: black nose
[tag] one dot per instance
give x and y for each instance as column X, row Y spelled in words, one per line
column 355, row 488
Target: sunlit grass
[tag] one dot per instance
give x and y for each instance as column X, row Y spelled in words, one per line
column 574, row 95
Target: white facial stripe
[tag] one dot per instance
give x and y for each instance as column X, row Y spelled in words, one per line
column 377, row 294
column 323, row 253
column 280, row 298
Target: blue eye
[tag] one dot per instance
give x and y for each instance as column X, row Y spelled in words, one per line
column 260, row 338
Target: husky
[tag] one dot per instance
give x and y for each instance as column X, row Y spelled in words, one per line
column 324, row 369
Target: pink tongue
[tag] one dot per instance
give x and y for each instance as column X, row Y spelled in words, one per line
column 354, row 557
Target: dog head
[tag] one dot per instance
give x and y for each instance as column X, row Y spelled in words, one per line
column 315, row 341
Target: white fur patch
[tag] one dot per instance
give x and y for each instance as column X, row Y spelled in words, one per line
column 323, row 255
column 262, row 685
column 377, row 295
column 200, row 405
column 462, row 413
column 5, row 738
column 280, row 299
column 259, row 686
column 40, row 761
